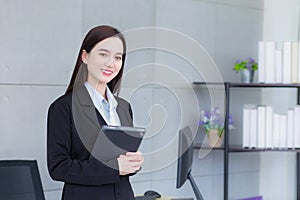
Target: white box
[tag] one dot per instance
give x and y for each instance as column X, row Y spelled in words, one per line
column 261, row 126
column 290, row 128
column 269, row 126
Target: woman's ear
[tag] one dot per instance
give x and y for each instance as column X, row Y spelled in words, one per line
column 84, row 56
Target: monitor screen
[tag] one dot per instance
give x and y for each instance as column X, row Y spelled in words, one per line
column 20, row 180
column 185, row 155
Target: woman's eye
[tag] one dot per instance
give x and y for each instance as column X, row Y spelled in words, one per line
column 103, row 54
column 118, row 58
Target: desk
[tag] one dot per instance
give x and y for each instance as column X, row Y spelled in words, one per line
column 172, row 198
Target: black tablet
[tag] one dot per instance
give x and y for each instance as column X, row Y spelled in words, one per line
column 114, row 141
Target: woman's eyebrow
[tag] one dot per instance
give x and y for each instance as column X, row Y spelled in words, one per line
column 106, row 50
column 103, row 50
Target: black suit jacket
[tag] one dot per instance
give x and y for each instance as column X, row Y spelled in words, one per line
column 72, row 128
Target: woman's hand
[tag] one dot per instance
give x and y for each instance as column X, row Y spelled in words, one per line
column 130, row 162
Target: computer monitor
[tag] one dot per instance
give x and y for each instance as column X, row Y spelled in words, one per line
column 20, row 180
column 185, row 161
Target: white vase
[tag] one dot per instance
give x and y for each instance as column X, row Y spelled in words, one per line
column 247, row 76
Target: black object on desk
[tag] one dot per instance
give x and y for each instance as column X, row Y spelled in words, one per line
column 152, row 195
column 149, row 195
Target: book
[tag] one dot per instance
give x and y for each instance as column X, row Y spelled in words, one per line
column 269, row 126
column 261, row 126
column 283, row 131
column 246, row 127
column 278, row 67
column 297, row 126
column 290, row 128
column 294, row 62
column 275, row 139
column 298, row 61
column 286, row 60
column 253, row 128
column 261, row 62
column 270, row 61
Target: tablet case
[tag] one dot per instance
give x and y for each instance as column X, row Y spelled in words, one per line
column 113, row 141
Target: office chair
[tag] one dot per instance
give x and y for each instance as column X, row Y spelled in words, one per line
column 20, row 180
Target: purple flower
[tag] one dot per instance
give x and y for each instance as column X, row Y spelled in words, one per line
column 251, row 60
column 238, row 61
column 219, row 122
column 249, row 66
column 213, row 119
column 246, row 64
column 201, row 123
column 207, row 114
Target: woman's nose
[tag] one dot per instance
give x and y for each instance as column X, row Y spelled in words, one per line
column 109, row 62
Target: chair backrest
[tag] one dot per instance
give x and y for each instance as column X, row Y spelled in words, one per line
column 20, row 180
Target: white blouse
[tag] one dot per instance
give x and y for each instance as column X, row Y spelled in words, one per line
column 107, row 109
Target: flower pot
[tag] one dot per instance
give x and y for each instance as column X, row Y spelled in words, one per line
column 247, row 76
column 213, row 138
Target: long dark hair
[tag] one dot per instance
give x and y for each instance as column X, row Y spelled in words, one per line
column 94, row 36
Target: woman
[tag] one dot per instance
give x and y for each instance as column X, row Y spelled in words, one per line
column 75, row 119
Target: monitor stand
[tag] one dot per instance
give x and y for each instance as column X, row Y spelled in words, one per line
column 195, row 188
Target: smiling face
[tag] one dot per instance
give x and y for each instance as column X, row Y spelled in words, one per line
column 104, row 61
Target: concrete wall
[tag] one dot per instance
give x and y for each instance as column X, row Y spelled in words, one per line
column 39, row 44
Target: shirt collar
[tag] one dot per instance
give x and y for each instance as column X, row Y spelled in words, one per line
column 97, row 98
column 111, row 99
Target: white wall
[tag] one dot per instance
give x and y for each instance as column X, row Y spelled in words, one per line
column 281, row 20
column 39, row 44
column 278, row 169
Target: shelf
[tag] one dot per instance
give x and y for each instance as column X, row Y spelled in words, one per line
column 239, row 148
column 198, row 146
column 249, row 85
column 227, row 148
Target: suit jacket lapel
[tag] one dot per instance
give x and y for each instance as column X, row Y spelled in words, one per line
column 120, row 114
column 89, row 111
column 123, row 114
column 87, row 105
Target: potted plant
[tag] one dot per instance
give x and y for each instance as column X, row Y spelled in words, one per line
column 246, row 68
column 213, row 123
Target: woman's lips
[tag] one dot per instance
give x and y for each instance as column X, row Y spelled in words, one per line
column 106, row 72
